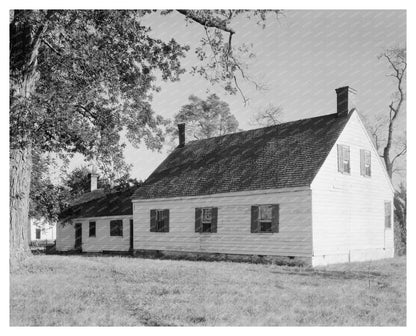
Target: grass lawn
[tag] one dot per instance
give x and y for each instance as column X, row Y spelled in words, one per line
column 77, row 290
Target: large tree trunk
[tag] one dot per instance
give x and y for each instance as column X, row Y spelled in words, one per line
column 20, row 172
column 24, row 48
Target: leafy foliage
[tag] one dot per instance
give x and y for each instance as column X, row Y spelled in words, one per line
column 96, row 72
column 96, row 77
column 78, row 182
column 46, row 198
column 204, row 118
column 78, row 78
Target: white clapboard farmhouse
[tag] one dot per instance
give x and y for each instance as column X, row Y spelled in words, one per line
column 312, row 189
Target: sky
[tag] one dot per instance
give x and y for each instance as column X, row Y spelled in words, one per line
column 302, row 57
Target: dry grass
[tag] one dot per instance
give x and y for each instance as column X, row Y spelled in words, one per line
column 76, row 290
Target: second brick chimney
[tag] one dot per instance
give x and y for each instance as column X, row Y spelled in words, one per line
column 344, row 101
column 94, row 179
column 181, row 131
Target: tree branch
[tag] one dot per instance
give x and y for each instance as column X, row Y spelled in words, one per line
column 51, row 47
column 206, row 22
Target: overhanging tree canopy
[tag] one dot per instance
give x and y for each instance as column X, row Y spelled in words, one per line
column 79, row 77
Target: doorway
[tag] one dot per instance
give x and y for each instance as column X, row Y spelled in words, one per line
column 78, row 236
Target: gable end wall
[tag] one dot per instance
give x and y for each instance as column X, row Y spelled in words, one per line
column 348, row 210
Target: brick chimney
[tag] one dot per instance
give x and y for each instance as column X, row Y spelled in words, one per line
column 94, row 179
column 344, row 100
column 181, row 129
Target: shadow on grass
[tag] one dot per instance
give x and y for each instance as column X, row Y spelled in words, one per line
column 332, row 274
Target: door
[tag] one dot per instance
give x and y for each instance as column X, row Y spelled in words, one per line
column 131, row 235
column 78, row 236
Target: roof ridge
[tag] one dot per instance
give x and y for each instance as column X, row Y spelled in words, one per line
column 260, row 128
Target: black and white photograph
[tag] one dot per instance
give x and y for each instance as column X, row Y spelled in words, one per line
column 206, row 167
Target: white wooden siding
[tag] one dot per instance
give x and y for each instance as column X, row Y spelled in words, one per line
column 102, row 240
column 48, row 230
column 348, row 210
column 234, row 223
column 65, row 237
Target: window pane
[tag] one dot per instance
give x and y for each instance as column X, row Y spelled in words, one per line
column 206, row 227
column 346, row 157
column 207, row 215
column 367, row 163
column 265, row 212
column 37, row 233
column 160, row 220
column 92, row 229
column 159, row 215
column 387, row 214
column 265, row 227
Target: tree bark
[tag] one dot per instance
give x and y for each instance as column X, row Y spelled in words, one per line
column 20, row 172
column 24, row 48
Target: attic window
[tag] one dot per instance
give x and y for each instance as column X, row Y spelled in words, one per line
column 344, row 159
column 365, row 162
column 387, row 215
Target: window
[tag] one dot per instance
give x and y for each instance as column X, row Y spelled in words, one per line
column 265, row 218
column 365, row 162
column 344, row 159
column 206, row 220
column 116, row 227
column 37, row 233
column 159, row 220
column 387, row 215
column 92, row 229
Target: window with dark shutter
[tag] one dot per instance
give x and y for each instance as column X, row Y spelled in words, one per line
column 265, row 218
column 37, row 233
column 387, row 215
column 116, row 228
column 206, row 219
column 159, row 220
column 343, row 159
column 92, row 229
column 365, row 162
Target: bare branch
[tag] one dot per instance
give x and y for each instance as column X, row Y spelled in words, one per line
column 51, row 47
column 401, row 153
column 211, row 21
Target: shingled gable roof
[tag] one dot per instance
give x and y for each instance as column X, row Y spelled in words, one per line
column 104, row 204
column 282, row 156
